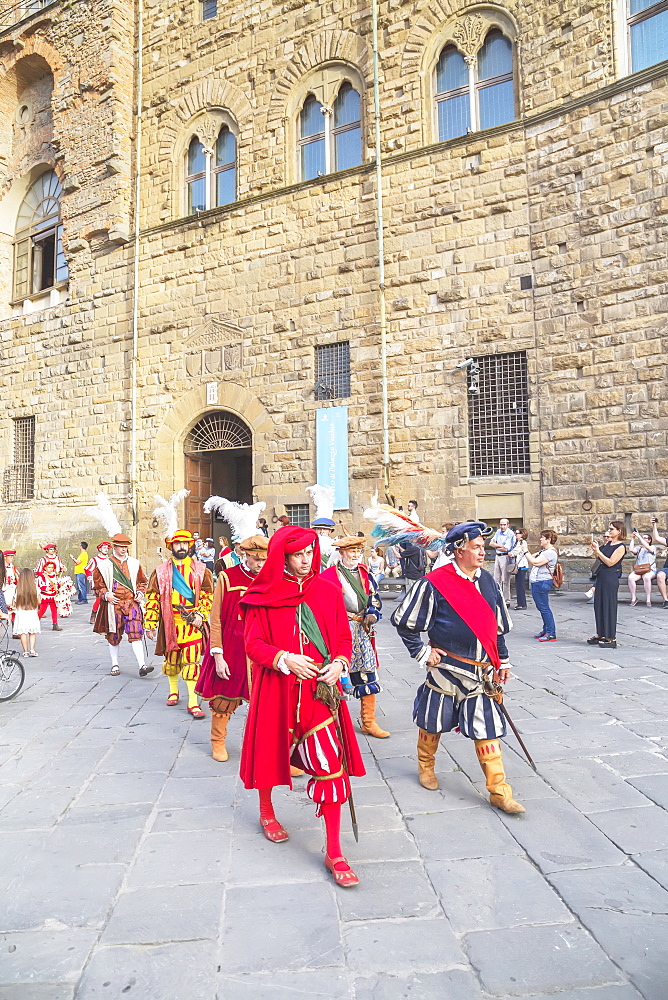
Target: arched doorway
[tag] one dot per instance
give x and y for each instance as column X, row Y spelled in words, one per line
column 218, row 453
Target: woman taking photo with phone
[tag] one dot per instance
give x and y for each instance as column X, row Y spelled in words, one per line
column 607, row 571
column 543, row 565
column 644, row 568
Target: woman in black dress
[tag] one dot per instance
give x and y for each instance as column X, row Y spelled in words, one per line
column 608, row 574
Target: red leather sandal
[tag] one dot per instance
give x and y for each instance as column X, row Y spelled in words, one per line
column 346, row 878
column 273, row 831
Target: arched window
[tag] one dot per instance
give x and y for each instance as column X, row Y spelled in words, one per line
column 39, row 262
column 648, row 32
column 496, row 94
column 330, row 138
column 225, row 167
column 196, row 177
column 312, row 139
column 475, row 93
column 453, row 101
column 347, row 131
column 211, row 176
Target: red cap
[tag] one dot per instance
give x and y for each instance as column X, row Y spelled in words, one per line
column 9, row 552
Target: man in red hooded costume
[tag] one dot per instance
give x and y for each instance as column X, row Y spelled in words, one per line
column 298, row 639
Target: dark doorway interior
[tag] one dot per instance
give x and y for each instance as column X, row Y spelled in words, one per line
column 227, row 473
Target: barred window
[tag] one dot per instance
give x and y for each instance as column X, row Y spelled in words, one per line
column 499, row 415
column 208, row 9
column 332, row 371
column 299, row 514
column 19, row 478
column 648, row 32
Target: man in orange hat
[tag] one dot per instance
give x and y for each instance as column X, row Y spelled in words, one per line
column 178, row 603
column 363, row 605
column 119, row 581
column 224, row 677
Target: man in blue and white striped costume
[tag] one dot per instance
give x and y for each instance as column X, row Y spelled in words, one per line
column 462, row 610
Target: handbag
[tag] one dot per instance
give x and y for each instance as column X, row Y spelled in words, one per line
column 641, row 568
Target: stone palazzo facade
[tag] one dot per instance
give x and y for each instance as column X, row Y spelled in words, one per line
column 524, row 170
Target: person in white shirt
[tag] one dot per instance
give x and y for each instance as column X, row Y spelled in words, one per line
column 644, row 568
column 502, row 542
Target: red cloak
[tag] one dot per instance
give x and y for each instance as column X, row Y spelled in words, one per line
column 270, row 629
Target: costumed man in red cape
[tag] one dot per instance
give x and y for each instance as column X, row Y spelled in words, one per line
column 464, row 613
column 363, row 606
column 298, row 639
column 224, row 675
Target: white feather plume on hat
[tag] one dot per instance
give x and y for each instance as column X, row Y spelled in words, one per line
column 104, row 513
column 165, row 512
column 322, row 498
column 242, row 517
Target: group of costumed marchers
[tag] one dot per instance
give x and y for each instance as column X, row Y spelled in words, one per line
column 463, row 612
column 291, row 632
column 54, row 586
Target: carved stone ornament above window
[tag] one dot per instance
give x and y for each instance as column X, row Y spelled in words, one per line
column 207, row 128
column 469, row 34
column 216, row 350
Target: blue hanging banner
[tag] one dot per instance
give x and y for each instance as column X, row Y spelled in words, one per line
column 331, row 449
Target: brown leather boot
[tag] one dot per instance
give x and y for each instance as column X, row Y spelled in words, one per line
column 491, row 762
column 427, row 745
column 218, row 734
column 368, row 724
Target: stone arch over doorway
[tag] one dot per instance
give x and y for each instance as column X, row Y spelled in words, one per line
column 237, row 428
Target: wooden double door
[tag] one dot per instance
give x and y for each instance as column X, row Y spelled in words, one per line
column 227, row 473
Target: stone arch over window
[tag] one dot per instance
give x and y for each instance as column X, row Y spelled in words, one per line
column 320, row 68
column 485, row 38
column 203, row 110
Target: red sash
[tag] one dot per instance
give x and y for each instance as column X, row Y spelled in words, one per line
column 467, row 601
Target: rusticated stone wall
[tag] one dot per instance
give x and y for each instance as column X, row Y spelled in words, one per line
column 572, row 194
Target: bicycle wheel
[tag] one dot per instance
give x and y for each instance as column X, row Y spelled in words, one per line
column 12, row 676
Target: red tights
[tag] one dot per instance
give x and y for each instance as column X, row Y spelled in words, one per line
column 331, row 813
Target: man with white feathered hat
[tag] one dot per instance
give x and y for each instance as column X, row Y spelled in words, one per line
column 119, row 583
column 224, row 679
column 178, row 601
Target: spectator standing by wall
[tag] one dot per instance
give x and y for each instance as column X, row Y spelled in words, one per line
column 80, row 563
column 518, row 553
column 543, row 564
column 607, row 572
column 502, row 542
column 392, row 563
column 644, row 568
column 413, row 561
column 207, row 554
column 663, row 573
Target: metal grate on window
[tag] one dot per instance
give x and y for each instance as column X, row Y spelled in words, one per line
column 499, row 416
column 299, row 514
column 332, row 371
column 18, row 482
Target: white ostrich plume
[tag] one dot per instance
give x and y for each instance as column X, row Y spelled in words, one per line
column 165, row 513
column 105, row 515
column 242, row 517
column 322, row 498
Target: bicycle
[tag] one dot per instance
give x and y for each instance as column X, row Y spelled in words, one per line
column 12, row 671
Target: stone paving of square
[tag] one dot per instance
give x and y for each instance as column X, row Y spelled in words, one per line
column 134, row 867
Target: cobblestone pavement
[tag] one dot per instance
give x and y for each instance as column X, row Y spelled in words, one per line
column 133, row 866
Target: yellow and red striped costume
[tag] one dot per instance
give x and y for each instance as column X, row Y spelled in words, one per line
column 179, row 643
